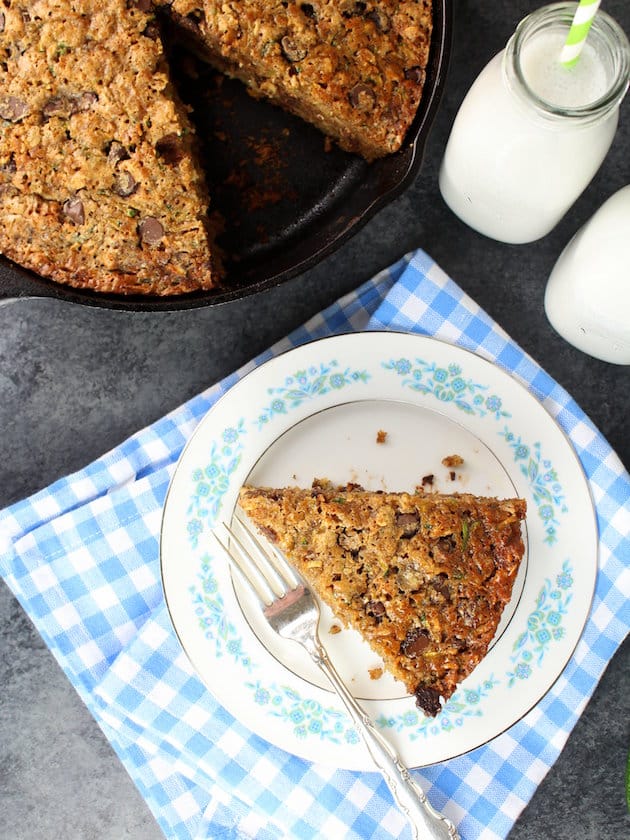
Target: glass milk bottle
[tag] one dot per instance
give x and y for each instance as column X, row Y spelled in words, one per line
column 531, row 133
column 587, row 299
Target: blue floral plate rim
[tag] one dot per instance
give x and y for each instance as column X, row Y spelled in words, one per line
column 492, row 405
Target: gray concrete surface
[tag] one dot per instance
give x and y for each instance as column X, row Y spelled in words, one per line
column 76, row 381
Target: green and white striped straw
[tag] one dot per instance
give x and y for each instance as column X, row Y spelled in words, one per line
column 582, row 20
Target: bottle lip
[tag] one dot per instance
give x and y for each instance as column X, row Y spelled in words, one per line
column 604, row 27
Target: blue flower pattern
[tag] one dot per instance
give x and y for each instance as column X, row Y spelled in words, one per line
column 306, row 385
column 212, row 482
column 447, row 384
column 306, row 717
column 544, row 625
column 543, row 480
column 209, row 608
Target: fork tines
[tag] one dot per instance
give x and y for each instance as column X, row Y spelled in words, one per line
column 264, row 569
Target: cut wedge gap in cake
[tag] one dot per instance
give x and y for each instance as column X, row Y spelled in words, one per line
column 102, row 178
column 355, row 70
column 423, row 577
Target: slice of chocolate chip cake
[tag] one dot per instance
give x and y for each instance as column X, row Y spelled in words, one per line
column 423, row 577
column 99, row 183
column 355, row 70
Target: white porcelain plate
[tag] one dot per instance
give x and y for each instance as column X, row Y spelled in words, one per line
column 315, row 412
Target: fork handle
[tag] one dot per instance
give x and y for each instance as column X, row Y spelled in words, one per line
column 426, row 822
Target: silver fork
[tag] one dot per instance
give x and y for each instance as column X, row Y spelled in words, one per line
column 293, row 613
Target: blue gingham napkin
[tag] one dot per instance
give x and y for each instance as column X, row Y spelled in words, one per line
column 82, row 558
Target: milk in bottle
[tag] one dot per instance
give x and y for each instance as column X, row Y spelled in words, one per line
column 531, row 133
column 587, row 299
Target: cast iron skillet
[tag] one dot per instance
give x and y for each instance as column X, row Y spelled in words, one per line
column 287, row 200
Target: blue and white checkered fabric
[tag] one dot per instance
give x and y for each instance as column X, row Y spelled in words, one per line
column 82, row 558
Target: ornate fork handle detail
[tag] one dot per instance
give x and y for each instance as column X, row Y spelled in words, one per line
column 292, row 611
column 426, row 822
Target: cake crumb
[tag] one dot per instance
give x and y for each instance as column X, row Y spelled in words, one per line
column 428, row 480
column 334, row 629
column 375, row 673
column 452, row 461
column 381, row 436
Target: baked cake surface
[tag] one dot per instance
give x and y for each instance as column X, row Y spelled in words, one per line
column 99, row 181
column 424, row 578
column 355, row 70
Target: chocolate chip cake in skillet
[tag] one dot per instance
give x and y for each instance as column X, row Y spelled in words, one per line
column 101, row 180
column 424, row 578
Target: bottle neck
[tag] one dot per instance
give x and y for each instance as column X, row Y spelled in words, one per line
column 584, row 94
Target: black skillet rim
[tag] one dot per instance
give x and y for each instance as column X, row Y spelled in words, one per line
column 387, row 179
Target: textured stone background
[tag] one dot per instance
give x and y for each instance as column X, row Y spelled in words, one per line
column 76, row 381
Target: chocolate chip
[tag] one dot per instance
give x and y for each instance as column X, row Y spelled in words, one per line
column 447, row 544
column 116, row 152
column 292, row 50
column 428, row 699
column 414, row 74
column 440, row 585
column 151, row 230
column 350, row 8
column 192, row 22
column 2, row 21
column 375, row 608
column 409, row 523
column 124, row 183
column 350, row 540
column 414, row 642
column 73, row 210
column 169, row 148
column 10, row 167
column 142, row 5
column 308, row 10
column 84, row 101
column 12, row 108
column 57, row 106
column 380, row 20
column 67, row 105
column 269, row 533
column 362, row 97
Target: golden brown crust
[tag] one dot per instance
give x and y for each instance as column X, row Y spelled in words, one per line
column 355, row 70
column 423, row 577
column 99, row 181
column 101, row 186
